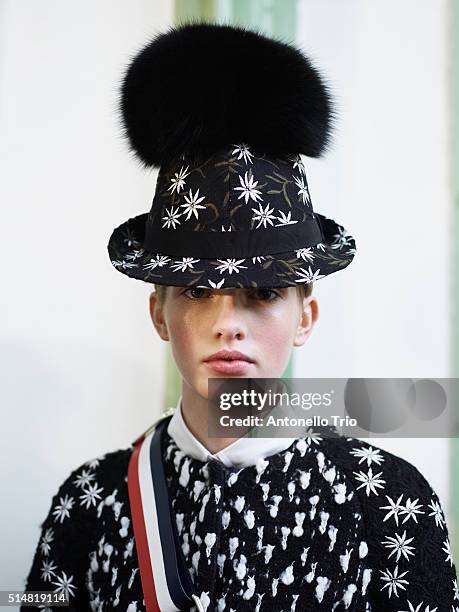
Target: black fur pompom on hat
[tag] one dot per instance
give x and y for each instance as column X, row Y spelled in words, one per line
column 202, row 86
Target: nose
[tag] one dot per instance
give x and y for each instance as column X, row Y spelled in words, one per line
column 228, row 320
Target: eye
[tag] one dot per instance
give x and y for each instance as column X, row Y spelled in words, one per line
column 265, row 293
column 198, row 289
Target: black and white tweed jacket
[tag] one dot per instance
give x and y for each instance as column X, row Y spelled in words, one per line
column 328, row 524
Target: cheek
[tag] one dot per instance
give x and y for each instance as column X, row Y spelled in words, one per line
column 278, row 338
column 180, row 332
column 274, row 335
column 184, row 338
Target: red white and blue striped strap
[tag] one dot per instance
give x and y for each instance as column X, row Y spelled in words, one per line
column 166, row 582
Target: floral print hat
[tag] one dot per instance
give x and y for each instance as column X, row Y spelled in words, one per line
column 225, row 113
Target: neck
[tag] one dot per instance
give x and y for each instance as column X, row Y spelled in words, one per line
column 195, row 415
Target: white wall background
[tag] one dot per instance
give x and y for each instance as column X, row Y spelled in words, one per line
column 387, row 182
column 78, row 351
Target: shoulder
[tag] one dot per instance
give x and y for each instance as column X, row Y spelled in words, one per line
column 377, row 473
column 107, row 467
column 390, row 489
column 85, row 489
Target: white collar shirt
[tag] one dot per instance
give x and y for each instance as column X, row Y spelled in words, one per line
column 241, row 453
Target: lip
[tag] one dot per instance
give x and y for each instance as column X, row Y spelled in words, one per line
column 229, row 362
column 227, row 355
column 226, row 366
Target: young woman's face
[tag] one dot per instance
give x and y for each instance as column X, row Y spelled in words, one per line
column 264, row 324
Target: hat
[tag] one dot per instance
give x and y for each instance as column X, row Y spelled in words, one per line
column 225, row 113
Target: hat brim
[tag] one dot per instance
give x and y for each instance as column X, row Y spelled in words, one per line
column 286, row 269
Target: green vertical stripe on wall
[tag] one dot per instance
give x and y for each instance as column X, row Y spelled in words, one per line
column 272, row 17
column 173, row 380
column 194, row 10
column 454, row 498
